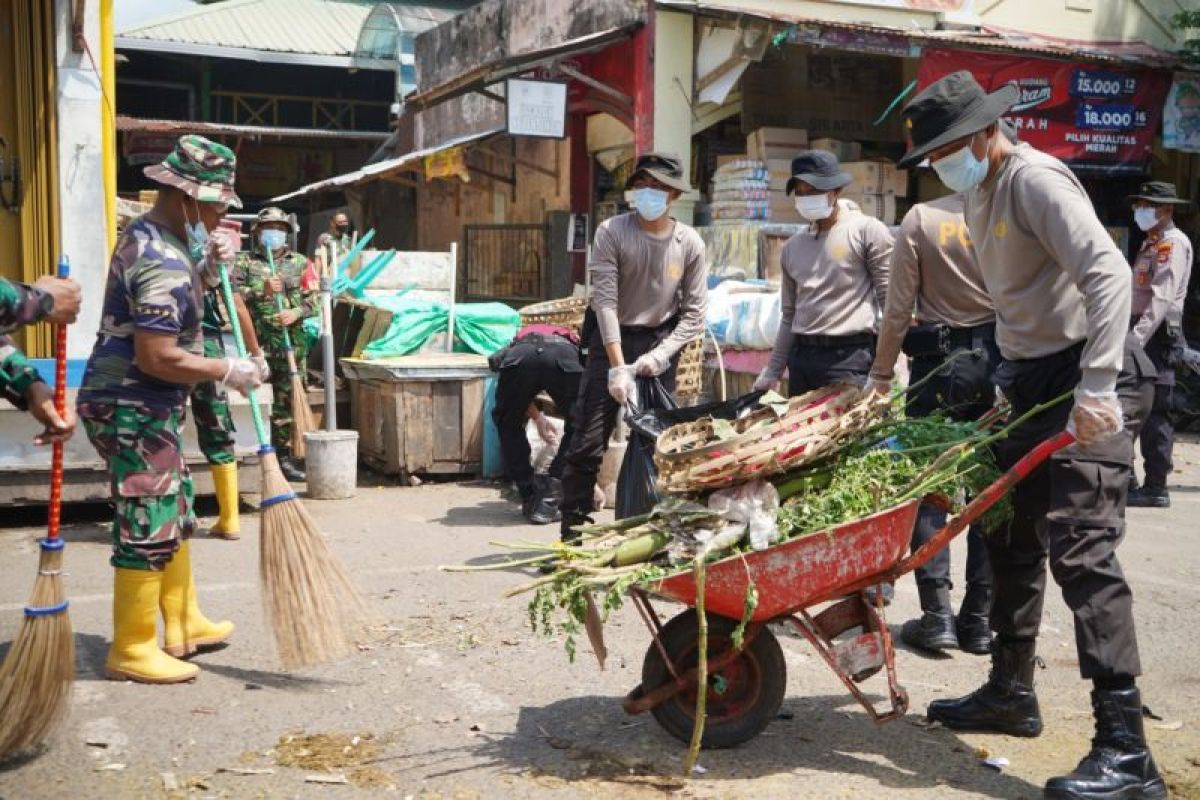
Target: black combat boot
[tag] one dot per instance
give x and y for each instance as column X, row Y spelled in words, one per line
column 1120, row 766
column 1149, row 497
column 974, row 632
column 542, row 508
column 290, row 467
column 934, row 631
column 1005, row 704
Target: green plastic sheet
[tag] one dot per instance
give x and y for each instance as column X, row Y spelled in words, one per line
column 481, row 328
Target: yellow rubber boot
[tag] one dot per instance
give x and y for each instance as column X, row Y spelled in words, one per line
column 185, row 629
column 134, row 654
column 225, row 481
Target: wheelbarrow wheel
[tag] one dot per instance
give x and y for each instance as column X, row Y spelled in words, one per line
column 743, row 696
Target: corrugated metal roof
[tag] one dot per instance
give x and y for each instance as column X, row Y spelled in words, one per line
column 381, row 168
column 986, row 38
column 314, row 27
column 125, row 123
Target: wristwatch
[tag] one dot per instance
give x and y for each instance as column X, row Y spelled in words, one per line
column 45, row 302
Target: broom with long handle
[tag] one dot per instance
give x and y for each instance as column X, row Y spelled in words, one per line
column 36, row 677
column 312, row 606
column 302, row 416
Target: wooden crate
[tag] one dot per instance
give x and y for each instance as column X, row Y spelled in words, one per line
column 416, row 424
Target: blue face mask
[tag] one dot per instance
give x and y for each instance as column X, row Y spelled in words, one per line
column 961, row 170
column 197, row 235
column 649, row 203
column 272, row 239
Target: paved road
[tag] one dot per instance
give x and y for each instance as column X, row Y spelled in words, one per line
column 459, row 700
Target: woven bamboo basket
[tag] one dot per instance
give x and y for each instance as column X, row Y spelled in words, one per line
column 689, row 375
column 567, row 312
column 693, row 456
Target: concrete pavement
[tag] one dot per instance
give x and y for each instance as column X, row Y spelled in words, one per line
column 457, row 699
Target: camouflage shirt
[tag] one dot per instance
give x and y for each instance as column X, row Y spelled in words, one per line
column 20, row 304
column 250, row 274
column 154, row 287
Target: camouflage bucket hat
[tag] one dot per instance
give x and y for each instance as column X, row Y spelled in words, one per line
column 204, row 169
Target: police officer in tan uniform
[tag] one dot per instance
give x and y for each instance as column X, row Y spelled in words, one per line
column 1160, row 281
column 1062, row 296
column 953, row 344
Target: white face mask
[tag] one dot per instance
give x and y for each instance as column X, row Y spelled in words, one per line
column 961, row 170
column 650, row 203
column 1146, row 217
column 814, row 207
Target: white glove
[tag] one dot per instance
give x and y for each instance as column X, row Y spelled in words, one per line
column 546, row 430
column 242, row 375
column 223, row 245
column 1096, row 416
column 877, row 386
column 651, row 364
column 620, row 384
column 765, row 380
column 264, row 370
column 1001, row 399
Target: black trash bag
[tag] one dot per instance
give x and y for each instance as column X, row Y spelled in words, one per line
column 636, row 490
column 651, row 412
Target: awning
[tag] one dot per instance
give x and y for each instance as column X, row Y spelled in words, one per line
column 173, row 126
column 382, row 169
column 487, row 74
column 890, row 40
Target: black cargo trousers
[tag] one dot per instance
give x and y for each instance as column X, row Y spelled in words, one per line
column 1158, row 433
column 596, row 411
column 961, row 361
column 1071, row 509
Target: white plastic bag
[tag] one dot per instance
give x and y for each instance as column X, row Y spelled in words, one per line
column 755, row 504
column 542, row 453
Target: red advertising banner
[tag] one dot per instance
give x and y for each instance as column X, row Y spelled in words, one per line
column 1096, row 119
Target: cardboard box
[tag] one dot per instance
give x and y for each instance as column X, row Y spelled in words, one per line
column 880, row 206
column 722, row 160
column 877, row 177
column 780, row 170
column 766, row 144
column 845, row 151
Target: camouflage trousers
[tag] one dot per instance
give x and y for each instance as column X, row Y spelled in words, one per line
column 281, row 389
column 149, row 481
column 210, row 410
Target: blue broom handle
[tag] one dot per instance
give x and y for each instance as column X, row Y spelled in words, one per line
column 260, row 427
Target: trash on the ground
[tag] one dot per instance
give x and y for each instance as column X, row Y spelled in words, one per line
column 333, row 779
column 477, row 728
column 246, row 771
column 169, row 782
column 1169, row 726
column 325, row 751
column 250, row 687
column 559, row 743
column 207, row 710
column 1146, row 712
column 696, row 770
column 982, row 753
column 997, row 763
column 114, row 767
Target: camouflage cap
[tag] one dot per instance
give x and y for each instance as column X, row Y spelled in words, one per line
column 273, row 214
column 202, row 168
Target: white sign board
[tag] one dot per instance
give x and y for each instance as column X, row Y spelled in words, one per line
column 536, row 108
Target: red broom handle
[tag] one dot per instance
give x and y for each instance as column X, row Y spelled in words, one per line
column 60, row 405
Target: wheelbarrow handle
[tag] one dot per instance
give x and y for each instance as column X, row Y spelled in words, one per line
column 985, row 500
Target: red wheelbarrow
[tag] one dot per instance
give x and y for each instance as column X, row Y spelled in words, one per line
column 746, row 685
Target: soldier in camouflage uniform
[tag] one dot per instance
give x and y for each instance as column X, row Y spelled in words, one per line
column 148, row 353
column 252, row 275
column 338, row 240
column 50, row 299
column 214, row 421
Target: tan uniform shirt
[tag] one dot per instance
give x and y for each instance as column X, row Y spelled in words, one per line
column 834, row 282
column 934, row 270
column 1160, row 281
column 643, row 280
column 1052, row 270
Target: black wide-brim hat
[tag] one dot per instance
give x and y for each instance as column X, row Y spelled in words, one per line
column 666, row 168
column 820, row 169
column 951, row 108
column 1158, row 192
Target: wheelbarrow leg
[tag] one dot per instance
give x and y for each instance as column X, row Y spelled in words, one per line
column 859, row 658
